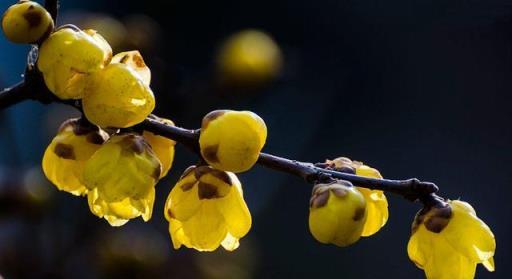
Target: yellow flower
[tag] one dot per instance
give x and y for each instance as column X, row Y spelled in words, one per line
column 121, row 178
column 64, row 159
column 162, row 146
column 117, row 96
column 232, row 140
column 376, row 202
column 206, row 209
column 68, row 57
column 448, row 240
column 337, row 213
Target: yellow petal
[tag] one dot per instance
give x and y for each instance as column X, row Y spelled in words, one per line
column 489, row 264
column 366, row 171
column 447, row 263
column 468, row 234
column 64, row 159
column 235, row 212
column 377, row 207
column 164, row 150
column 419, row 247
column 119, row 213
column 120, row 171
column 134, row 60
column 206, row 229
column 230, row 243
column 376, row 202
column 178, row 237
column 183, row 204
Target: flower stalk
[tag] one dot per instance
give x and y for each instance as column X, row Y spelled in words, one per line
column 33, row 88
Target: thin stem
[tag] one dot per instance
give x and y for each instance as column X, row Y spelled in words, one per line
column 411, row 189
column 13, row 95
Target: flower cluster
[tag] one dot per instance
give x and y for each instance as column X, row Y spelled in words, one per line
column 103, row 156
column 117, row 171
column 116, row 167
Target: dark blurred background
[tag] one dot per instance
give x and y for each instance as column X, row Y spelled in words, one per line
column 414, row 88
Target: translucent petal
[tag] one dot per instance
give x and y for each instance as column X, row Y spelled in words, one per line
column 65, row 172
column 164, row 150
column 447, row 263
column 235, row 212
column 230, row 243
column 377, row 207
column 119, row 213
column 376, row 202
column 119, row 171
column 489, row 264
column 468, row 234
column 123, row 209
column 134, row 60
column 184, row 204
column 206, row 229
column 420, row 246
column 366, row 171
column 178, row 237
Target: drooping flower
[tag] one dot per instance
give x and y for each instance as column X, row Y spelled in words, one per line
column 448, row 241
column 206, row 209
column 337, row 213
column 121, row 178
column 376, row 202
column 65, row 158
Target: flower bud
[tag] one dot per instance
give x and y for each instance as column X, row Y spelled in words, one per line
column 376, row 201
column 232, row 140
column 26, row 22
column 67, row 58
column 117, row 97
column 337, row 213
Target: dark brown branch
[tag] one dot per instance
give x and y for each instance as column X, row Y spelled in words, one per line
column 13, row 95
column 412, row 189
